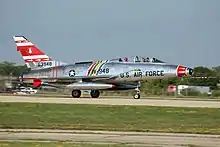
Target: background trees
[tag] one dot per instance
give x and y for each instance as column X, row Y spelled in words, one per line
column 11, row 69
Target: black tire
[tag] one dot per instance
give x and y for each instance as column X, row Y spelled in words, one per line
column 76, row 93
column 137, row 96
column 94, row 93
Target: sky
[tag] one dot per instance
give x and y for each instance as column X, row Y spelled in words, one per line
column 185, row 32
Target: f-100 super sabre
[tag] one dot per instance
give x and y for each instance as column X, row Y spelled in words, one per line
column 92, row 75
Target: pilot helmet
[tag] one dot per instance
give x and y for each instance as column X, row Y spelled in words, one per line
column 126, row 59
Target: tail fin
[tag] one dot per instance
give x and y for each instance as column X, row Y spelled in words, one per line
column 33, row 57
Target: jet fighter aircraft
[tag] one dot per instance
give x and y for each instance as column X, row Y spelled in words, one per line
column 92, row 75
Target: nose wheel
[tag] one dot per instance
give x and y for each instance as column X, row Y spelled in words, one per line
column 138, row 91
column 137, row 96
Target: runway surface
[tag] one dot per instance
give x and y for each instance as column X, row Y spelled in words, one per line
column 113, row 101
column 131, row 138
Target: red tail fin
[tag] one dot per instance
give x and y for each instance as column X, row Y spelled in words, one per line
column 29, row 51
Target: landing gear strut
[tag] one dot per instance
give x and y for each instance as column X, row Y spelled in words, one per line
column 138, row 91
column 137, row 95
column 94, row 93
column 76, row 93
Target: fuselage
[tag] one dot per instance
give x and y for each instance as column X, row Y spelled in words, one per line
column 122, row 72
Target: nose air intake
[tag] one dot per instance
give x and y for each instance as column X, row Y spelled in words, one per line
column 190, row 71
column 184, row 71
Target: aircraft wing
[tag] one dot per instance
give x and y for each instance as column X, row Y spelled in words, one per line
column 95, row 78
column 62, row 82
column 80, row 78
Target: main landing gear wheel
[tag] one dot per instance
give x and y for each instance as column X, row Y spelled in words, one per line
column 94, row 93
column 137, row 96
column 76, row 93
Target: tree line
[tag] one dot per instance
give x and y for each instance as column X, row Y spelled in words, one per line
column 11, row 69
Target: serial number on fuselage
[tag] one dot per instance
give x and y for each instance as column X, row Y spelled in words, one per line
column 158, row 73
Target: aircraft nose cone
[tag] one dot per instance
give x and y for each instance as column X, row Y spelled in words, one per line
column 184, row 71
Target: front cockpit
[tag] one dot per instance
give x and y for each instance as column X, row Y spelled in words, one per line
column 137, row 59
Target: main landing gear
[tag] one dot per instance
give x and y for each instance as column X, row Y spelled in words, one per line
column 93, row 93
column 76, row 93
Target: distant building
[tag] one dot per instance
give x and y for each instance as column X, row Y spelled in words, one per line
column 202, row 89
column 179, row 88
column 171, row 88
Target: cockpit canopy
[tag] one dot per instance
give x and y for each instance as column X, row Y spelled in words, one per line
column 137, row 59
column 127, row 59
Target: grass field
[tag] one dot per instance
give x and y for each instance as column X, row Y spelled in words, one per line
column 54, row 144
column 100, row 117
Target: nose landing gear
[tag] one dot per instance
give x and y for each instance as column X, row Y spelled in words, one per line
column 138, row 91
column 137, row 95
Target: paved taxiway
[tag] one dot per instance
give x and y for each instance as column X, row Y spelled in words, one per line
column 132, row 138
column 113, row 101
